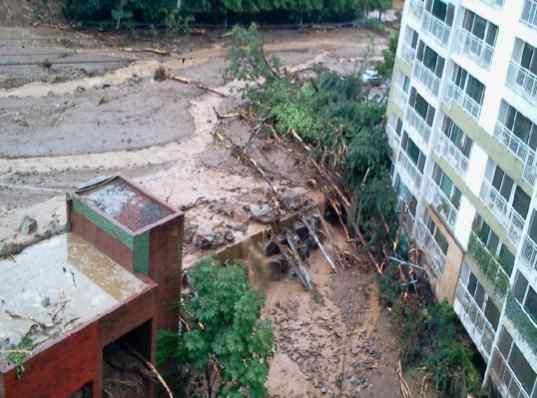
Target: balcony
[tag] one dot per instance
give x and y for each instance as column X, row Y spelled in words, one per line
column 529, row 13
column 522, row 81
column 408, row 54
column 416, row 6
column 454, row 94
column 451, row 153
column 524, row 327
column 434, row 255
column 474, row 320
column 474, row 48
column 528, row 256
column 504, row 377
column 507, row 216
column 419, row 123
column 489, row 265
column 437, row 28
column 519, row 149
column 427, row 77
column 406, row 218
column 440, row 202
column 413, row 175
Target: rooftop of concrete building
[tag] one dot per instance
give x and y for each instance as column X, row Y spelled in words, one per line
column 56, row 286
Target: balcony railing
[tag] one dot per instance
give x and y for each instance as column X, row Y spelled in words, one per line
column 427, row 77
column 529, row 13
column 518, row 148
column 455, row 94
column 406, row 218
column 489, row 265
column 408, row 53
column 522, row 81
column 436, row 258
column 504, row 377
column 508, row 217
column 528, row 256
column 416, row 121
column 412, row 173
column 451, row 153
column 478, row 50
column 474, row 320
column 437, row 28
column 417, row 7
column 439, row 200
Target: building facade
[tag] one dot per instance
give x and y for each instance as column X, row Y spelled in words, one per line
column 462, row 123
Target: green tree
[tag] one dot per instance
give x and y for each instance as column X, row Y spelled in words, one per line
column 385, row 68
column 226, row 341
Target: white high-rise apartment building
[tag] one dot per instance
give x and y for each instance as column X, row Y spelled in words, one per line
column 462, row 123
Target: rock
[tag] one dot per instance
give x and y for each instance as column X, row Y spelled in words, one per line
column 28, row 225
column 190, row 231
column 105, row 99
column 301, row 230
column 293, row 199
column 204, row 237
column 262, row 213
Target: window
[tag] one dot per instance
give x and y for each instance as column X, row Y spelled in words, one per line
column 439, row 238
column 446, row 185
column 422, row 107
column 504, row 184
column 526, row 296
column 532, row 231
column 411, row 37
column 516, row 360
column 476, row 290
column 519, row 125
column 494, row 245
column 529, row 58
column 457, row 136
column 480, row 27
column 431, row 59
column 399, row 126
column 469, row 84
column 441, row 10
column 413, row 152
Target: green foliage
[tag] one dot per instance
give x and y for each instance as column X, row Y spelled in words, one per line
column 226, row 331
column 524, row 325
column 385, row 68
column 18, row 354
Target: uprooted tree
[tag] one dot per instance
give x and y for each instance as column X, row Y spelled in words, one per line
column 223, row 339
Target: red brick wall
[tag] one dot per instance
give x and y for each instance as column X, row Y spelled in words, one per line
column 165, row 247
column 59, row 370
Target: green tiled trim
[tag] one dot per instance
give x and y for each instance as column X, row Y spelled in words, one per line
column 485, row 282
column 140, row 253
column 525, row 328
column 495, row 150
column 474, row 200
column 103, row 224
column 403, row 66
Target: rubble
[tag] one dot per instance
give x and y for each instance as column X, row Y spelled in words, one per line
column 28, row 225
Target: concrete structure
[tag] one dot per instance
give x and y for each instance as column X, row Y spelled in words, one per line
column 114, row 277
column 462, row 123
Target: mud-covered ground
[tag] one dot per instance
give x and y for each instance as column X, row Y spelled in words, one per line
column 66, row 123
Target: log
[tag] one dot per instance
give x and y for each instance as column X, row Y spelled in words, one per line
column 321, row 247
column 152, row 368
column 185, row 80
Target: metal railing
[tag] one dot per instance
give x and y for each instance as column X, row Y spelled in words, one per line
column 406, row 218
column 408, row 54
column 451, row 153
column 504, row 377
column 455, row 94
column 437, row 28
column 427, row 77
column 507, row 216
column 528, row 256
column 519, row 149
column 475, row 48
column 414, row 176
column 522, row 81
column 432, row 251
column 399, row 96
column 529, row 13
column 474, row 320
column 419, row 123
column 439, row 200
column 417, row 7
